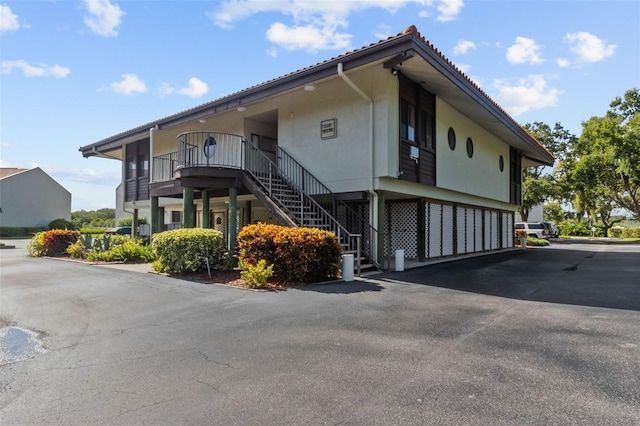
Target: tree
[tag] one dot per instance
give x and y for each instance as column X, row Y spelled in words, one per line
column 538, row 185
column 94, row 218
column 553, row 212
column 601, row 169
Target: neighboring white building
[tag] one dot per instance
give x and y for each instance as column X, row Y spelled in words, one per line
column 31, row 198
column 535, row 214
column 390, row 146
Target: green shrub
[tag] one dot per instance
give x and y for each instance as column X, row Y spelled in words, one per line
column 35, row 247
column 76, row 250
column 575, row 228
column 61, row 224
column 128, row 221
column 92, row 231
column 614, row 232
column 20, row 231
column 297, row 254
column 631, row 233
column 256, row 276
column 127, row 251
column 187, row 250
column 539, row 242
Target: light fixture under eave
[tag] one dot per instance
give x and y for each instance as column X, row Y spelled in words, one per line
column 242, row 109
column 202, row 121
column 309, row 88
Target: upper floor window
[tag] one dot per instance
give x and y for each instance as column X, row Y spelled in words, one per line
column 131, row 166
column 407, row 121
column 143, row 165
column 427, row 130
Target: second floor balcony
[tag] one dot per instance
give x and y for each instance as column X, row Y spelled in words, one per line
column 201, row 149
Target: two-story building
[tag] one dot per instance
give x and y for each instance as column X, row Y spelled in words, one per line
column 390, row 146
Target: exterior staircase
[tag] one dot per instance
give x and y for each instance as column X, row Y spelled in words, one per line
column 297, row 198
column 288, row 190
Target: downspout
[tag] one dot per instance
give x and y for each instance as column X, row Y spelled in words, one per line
column 152, row 131
column 373, row 204
column 153, row 218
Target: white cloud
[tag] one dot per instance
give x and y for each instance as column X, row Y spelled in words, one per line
column 8, row 20
column 195, row 89
column 384, row 31
column 41, row 70
column 464, row 68
column 563, row 62
column 104, row 17
column 463, row 47
column 317, row 25
column 129, row 84
column 449, row 9
column 307, row 37
column 588, row 47
column 531, row 93
column 525, row 50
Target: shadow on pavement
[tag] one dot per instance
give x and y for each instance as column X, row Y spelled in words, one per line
column 588, row 276
column 340, row 287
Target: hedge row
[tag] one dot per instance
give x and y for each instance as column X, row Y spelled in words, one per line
column 623, row 233
column 297, row 254
column 188, row 250
column 20, row 231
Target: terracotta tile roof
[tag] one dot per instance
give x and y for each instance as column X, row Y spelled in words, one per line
column 413, row 30
column 409, row 31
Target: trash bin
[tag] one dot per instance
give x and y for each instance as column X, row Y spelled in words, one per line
column 347, row 267
column 400, row 260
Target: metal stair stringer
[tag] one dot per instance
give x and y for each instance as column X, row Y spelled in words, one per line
column 283, row 218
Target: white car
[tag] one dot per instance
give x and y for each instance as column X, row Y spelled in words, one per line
column 534, row 229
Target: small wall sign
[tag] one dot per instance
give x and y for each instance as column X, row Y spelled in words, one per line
column 328, row 129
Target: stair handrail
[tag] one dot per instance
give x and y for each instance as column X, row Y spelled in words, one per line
column 351, row 240
column 308, row 180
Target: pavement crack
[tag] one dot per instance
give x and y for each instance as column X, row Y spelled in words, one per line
column 209, row 359
column 142, row 407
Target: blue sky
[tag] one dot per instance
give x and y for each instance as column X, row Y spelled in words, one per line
column 75, row 72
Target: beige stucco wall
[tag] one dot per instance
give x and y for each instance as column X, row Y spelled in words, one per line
column 32, row 198
column 342, row 163
column 479, row 175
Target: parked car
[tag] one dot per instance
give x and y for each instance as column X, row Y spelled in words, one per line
column 120, row 230
column 534, row 229
column 552, row 229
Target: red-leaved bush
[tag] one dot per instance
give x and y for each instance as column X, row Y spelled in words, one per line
column 297, row 254
column 55, row 242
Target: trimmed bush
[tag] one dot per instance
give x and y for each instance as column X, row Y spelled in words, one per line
column 631, row 233
column 187, row 250
column 297, row 254
column 61, row 224
column 92, row 231
column 615, row 232
column 19, row 231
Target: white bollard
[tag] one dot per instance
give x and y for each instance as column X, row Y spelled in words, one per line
column 347, row 267
column 400, row 260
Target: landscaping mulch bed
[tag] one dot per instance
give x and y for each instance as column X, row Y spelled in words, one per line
column 228, row 278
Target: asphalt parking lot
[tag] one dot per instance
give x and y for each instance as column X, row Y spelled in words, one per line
column 537, row 336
